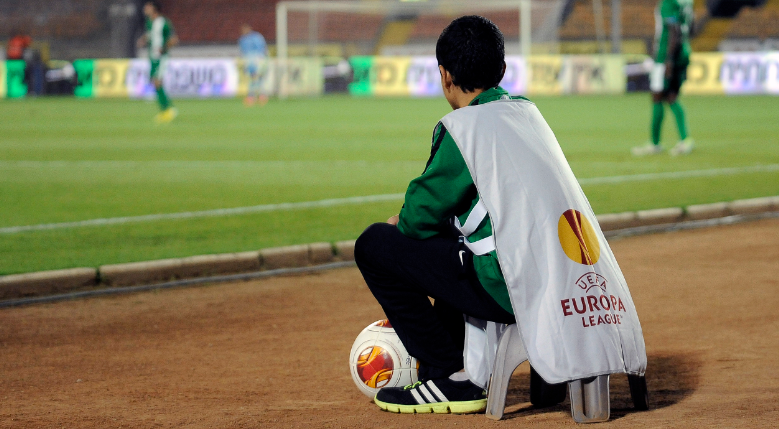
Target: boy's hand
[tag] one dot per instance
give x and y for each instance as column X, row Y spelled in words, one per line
column 393, row 220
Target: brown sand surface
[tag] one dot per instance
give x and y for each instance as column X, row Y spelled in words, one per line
column 273, row 352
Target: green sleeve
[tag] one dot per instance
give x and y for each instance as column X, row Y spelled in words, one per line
column 443, row 190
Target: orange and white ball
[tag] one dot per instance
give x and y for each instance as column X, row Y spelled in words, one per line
column 379, row 359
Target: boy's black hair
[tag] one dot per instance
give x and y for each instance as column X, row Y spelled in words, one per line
column 156, row 4
column 471, row 49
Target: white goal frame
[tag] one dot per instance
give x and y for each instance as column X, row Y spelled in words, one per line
column 394, row 6
column 421, row 8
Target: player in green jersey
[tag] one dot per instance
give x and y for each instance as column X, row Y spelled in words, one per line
column 159, row 38
column 672, row 56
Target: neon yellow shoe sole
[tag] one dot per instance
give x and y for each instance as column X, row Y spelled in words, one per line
column 459, row 407
column 167, row 115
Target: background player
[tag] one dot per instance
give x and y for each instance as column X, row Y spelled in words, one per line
column 672, row 56
column 255, row 53
column 159, row 38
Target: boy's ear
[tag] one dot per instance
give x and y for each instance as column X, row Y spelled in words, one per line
column 446, row 78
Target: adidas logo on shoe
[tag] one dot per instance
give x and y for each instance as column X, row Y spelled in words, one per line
column 439, row 396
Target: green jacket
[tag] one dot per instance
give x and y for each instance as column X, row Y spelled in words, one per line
column 446, row 189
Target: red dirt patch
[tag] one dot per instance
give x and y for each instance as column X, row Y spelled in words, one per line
column 273, row 353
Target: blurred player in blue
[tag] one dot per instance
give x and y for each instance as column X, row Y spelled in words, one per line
column 255, row 57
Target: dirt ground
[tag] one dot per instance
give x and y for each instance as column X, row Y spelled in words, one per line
column 274, row 352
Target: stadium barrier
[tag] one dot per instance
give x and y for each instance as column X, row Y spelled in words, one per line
column 18, row 289
column 412, row 76
column 12, row 84
column 211, row 77
column 709, row 73
column 543, row 74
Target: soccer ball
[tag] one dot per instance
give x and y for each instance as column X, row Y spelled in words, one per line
column 378, row 359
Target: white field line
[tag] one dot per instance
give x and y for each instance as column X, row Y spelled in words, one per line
column 679, row 174
column 206, row 213
column 198, row 164
column 366, row 199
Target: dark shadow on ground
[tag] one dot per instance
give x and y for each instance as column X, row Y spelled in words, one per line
column 670, row 379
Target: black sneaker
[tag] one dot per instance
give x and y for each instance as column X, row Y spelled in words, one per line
column 439, row 396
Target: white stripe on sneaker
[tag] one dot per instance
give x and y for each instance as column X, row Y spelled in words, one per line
column 418, row 397
column 429, row 396
column 437, row 391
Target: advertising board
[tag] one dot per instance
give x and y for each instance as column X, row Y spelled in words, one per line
column 703, row 74
column 733, row 73
column 296, row 77
column 417, row 76
column 213, row 77
column 542, row 74
column 750, row 73
column 593, row 74
column 3, row 84
column 186, row 78
column 12, row 83
column 101, row 78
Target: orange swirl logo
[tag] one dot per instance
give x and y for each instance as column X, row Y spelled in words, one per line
column 374, row 366
column 384, row 324
column 578, row 238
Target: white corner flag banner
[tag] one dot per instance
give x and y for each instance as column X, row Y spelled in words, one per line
column 572, row 304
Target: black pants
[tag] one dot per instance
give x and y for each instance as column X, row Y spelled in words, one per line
column 402, row 273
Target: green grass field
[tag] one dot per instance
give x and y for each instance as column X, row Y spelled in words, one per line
column 64, row 160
